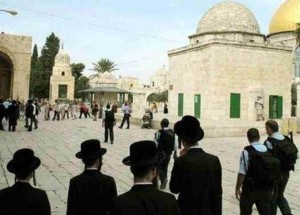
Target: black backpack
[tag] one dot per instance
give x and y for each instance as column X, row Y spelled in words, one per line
column 109, row 116
column 166, row 141
column 264, row 169
column 286, row 151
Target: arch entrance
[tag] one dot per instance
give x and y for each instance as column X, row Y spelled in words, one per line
column 6, row 75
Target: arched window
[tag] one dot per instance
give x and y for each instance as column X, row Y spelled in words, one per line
column 197, row 41
column 63, row 73
column 131, row 85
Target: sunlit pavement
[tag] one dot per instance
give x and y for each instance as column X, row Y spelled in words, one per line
column 56, row 143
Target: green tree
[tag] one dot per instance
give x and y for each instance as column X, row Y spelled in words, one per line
column 77, row 69
column 46, row 61
column 104, row 65
column 34, row 57
column 82, row 84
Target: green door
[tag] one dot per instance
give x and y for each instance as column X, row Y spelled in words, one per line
column 180, row 104
column 275, row 107
column 235, row 105
column 197, row 105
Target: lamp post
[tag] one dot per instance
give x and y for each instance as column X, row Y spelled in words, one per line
column 12, row 12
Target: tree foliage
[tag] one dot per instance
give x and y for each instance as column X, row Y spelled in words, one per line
column 40, row 83
column 158, row 97
column 77, row 69
column 82, row 84
column 104, row 65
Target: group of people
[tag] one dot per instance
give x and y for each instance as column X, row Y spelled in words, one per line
column 264, row 171
column 15, row 109
column 196, row 177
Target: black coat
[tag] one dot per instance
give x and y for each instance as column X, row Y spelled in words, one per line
column 197, row 177
column 146, row 200
column 22, row 198
column 13, row 112
column 109, row 118
column 91, row 193
column 2, row 110
column 29, row 110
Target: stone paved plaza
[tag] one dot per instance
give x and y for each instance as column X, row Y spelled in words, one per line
column 56, row 143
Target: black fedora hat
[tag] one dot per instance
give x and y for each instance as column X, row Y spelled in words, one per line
column 23, row 162
column 143, row 153
column 189, row 129
column 90, row 149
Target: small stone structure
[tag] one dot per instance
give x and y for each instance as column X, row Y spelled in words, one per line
column 62, row 82
column 15, row 58
column 228, row 64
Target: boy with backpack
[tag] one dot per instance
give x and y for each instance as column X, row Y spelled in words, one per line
column 165, row 139
column 283, row 148
column 257, row 175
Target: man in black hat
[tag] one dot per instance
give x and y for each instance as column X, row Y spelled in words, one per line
column 196, row 175
column 91, row 193
column 13, row 114
column 22, row 198
column 144, row 198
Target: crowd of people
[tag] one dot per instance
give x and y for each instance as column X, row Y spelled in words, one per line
column 196, row 176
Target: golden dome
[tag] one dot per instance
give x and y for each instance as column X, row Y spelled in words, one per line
column 286, row 17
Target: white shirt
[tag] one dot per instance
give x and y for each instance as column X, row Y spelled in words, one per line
column 244, row 159
column 34, row 109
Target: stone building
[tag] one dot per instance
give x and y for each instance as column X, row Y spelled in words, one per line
column 104, row 89
column 61, row 81
column 160, row 80
column 15, row 58
column 229, row 64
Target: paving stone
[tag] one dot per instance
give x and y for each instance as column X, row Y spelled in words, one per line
column 57, row 142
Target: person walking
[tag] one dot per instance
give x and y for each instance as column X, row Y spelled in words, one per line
column 29, row 113
column 256, row 186
column 56, row 111
column 144, row 198
column 91, row 192
column 22, row 198
column 165, row 139
column 95, row 111
column 109, row 122
column 196, row 175
column 127, row 113
column 13, row 113
column 274, row 143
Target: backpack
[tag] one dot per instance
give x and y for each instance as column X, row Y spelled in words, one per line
column 264, row 169
column 166, row 140
column 109, row 116
column 286, row 151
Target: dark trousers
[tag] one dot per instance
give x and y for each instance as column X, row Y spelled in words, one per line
column 12, row 124
column 31, row 121
column 125, row 118
column 109, row 128
column 278, row 198
column 261, row 198
column 1, row 126
column 163, row 168
column 56, row 114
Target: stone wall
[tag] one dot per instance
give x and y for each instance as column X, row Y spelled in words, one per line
column 18, row 49
column 218, row 69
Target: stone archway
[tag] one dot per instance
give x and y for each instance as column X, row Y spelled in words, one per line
column 6, row 75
